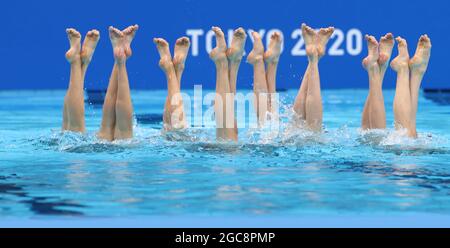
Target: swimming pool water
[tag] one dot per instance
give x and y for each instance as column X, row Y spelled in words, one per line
column 44, row 173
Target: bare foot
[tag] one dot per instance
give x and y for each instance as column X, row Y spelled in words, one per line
column 323, row 36
column 164, row 52
column 219, row 52
column 89, row 45
column 257, row 54
column 372, row 59
column 236, row 51
column 75, row 45
column 419, row 62
column 310, row 37
column 117, row 41
column 386, row 46
column 272, row 54
column 402, row 60
column 129, row 34
column 181, row 52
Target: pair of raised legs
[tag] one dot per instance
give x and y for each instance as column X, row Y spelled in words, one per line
column 227, row 61
column 376, row 64
column 265, row 65
column 79, row 58
column 117, row 109
column 117, row 121
column 308, row 103
column 174, row 117
column 410, row 73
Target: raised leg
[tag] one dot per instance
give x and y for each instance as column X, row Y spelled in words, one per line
column 224, row 101
column 387, row 43
column 370, row 64
column 377, row 111
column 315, row 51
column 309, row 35
column 172, row 122
column 235, row 54
column 108, row 124
column 272, row 57
column 73, row 112
column 418, row 66
column 124, row 107
column 256, row 58
column 182, row 46
column 402, row 100
column 300, row 100
column 374, row 114
column 109, row 108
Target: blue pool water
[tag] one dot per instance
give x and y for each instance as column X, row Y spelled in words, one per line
column 46, row 174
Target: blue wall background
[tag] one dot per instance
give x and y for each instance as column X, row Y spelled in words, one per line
column 33, row 40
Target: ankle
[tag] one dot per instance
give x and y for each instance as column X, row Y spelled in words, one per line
column 272, row 62
column 256, row 60
column 313, row 59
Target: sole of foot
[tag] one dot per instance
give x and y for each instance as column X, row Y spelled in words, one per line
column 310, row 37
column 323, row 36
column 219, row 52
column 165, row 61
column 89, row 45
column 182, row 46
column 422, row 56
column 387, row 43
column 236, row 51
column 373, row 50
column 402, row 60
column 116, row 36
column 257, row 54
column 75, row 44
column 129, row 34
column 272, row 55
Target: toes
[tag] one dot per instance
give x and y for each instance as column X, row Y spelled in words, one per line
column 389, row 37
column 183, row 41
column 425, row 41
column 372, row 45
column 276, row 36
column 93, row 34
column 275, row 41
column 308, row 30
column 401, row 41
column 326, row 31
column 240, row 32
column 402, row 46
column 218, row 31
column 257, row 41
column 114, row 32
column 220, row 38
column 131, row 29
column 256, row 36
column 371, row 40
column 160, row 42
column 73, row 33
column 308, row 34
